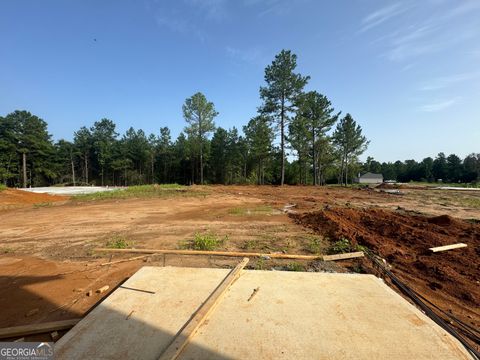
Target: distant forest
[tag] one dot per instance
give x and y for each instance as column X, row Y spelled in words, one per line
column 296, row 137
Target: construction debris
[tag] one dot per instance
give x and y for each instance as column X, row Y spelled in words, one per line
column 37, row 328
column 447, row 247
column 102, row 289
column 253, row 293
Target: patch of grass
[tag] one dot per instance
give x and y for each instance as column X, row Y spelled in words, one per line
column 2, row 187
column 142, row 191
column 314, row 245
column 251, row 244
column 293, row 266
column 258, row 210
column 118, row 242
column 340, row 247
column 260, row 264
column 7, row 250
column 41, row 205
column 206, row 242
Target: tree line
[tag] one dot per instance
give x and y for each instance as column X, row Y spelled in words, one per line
column 296, row 137
column 443, row 168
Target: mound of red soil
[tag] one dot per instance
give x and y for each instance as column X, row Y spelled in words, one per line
column 450, row 279
column 14, row 197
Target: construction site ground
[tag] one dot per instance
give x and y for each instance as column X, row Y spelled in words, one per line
column 47, row 265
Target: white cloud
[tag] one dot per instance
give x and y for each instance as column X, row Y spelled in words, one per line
column 446, row 81
column 381, row 15
column 439, row 105
column 253, row 55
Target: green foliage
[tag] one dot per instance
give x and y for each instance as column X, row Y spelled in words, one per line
column 207, row 242
column 7, row 250
column 42, row 205
column 118, row 242
column 199, row 113
column 139, row 191
column 294, row 266
column 260, row 264
column 251, row 245
column 350, row 143
column 314, row 245
column 280, row 95
column 2, row 187
column 340, row 247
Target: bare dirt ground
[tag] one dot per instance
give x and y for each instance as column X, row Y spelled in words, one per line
column 46, row 260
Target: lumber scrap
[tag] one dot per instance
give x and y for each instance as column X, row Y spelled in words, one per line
column 190, row 328
column 233, row 254
column 447, row 247
column 343, row 256
column 125, row 260
column 31, row 329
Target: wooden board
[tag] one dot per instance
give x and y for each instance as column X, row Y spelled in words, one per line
column 236, row 254
column 448, row 247
column 189, row 330
column 343, row 256
column 37, row 328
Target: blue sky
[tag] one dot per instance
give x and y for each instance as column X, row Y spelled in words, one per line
column 408, row 71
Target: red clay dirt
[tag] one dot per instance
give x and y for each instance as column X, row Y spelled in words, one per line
column 449, row 279
column 14, row 197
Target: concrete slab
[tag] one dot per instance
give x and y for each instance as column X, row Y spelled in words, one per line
column 70, row 190
column 293, row 315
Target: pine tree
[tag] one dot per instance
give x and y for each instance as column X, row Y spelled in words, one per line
column 350, row 143
column 199, row 113
column 280, row 95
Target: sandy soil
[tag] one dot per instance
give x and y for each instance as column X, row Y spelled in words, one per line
column 46, row 241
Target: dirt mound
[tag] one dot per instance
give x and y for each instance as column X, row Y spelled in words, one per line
column 387, row 186
column 450, row 279
column 12, row 197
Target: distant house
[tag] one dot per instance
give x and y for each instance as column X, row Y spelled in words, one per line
column 369, row 178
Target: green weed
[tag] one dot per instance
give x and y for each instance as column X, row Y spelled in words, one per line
column 206, row 242
column 293, row 266
column 118, row 242
column 340, row 247
column 42, row 205
column 314, row 245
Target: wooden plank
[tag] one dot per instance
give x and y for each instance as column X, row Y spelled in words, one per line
column 24, row 330
column 448, row 247
column 125, row 260
column 218, row 253
column 190, row 328
column 343, row 256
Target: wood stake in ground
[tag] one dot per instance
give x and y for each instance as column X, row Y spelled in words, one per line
column 235, row 254
column 191, row 327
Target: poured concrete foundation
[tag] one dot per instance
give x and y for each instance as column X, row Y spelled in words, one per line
column 293, row 315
